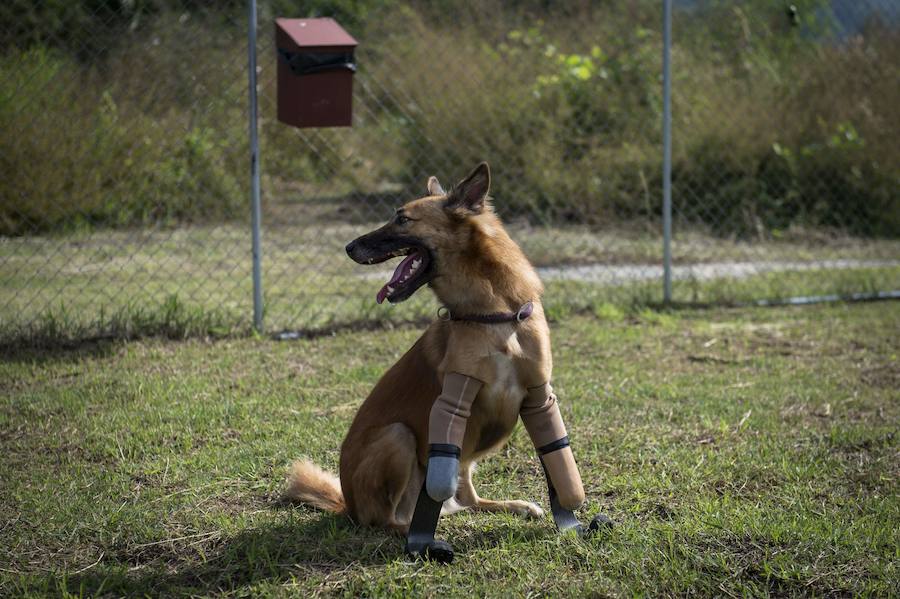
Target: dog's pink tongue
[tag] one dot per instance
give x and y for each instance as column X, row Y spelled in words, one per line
column 401, row 270
column 382, row 293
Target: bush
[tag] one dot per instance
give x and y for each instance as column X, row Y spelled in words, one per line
column 774, row 127
column 77, row 156
column 793, row 136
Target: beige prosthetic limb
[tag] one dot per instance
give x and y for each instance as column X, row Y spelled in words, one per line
column 446, row 429
column 540, row 413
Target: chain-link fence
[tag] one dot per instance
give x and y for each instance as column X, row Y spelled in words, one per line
column 785, row 170
column 125, row 195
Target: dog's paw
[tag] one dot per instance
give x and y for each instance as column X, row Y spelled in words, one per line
column 451, row 506
column 527, row 509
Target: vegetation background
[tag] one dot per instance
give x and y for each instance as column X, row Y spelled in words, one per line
column 784, row 119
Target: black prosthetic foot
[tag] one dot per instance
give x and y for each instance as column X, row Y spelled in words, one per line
column 434, row 551
column 420, row 542
column 600, row 523
column 566, row 520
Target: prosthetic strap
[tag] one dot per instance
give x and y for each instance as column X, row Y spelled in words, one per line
column 446, row 429
column 543, row 421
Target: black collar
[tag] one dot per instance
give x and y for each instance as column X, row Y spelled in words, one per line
column 523, row 313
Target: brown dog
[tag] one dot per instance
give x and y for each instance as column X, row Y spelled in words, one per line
column 457, row 245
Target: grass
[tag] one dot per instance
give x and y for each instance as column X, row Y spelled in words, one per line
column 171, row 319
column 740, row 451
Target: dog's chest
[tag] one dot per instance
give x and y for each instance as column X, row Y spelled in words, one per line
column 505, row 382
column 496, row 409
column 504, row 391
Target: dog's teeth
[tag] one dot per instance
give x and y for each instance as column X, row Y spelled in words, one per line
column 390, row 290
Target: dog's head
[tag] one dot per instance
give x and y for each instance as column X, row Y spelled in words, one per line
column 425, row 231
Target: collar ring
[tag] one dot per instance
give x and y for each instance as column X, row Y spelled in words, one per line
column 524, row 311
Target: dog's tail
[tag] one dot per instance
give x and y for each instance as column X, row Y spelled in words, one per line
column 307, row 483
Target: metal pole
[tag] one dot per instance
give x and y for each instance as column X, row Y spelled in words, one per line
column 256, row 211
column 667, row 151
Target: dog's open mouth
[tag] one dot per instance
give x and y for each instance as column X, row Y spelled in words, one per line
column 408, row 275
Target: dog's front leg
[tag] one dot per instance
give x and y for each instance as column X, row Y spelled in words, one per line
column 446, row 429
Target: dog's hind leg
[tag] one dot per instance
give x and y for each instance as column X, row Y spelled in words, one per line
column 468, row 497
column 382, row 478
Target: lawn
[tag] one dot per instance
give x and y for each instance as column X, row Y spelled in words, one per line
column 740, row 452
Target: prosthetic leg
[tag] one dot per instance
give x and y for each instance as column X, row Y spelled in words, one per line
column 543, row 421
column 446, row 429
column 540, row 414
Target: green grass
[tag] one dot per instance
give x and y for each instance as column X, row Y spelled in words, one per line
column 740, row 451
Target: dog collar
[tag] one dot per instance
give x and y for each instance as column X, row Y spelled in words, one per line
column 523, row 313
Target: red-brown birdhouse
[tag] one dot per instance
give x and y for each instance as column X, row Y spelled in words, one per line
column 315, row 72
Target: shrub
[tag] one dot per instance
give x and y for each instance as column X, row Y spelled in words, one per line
column 77, row 156
column 775, row 126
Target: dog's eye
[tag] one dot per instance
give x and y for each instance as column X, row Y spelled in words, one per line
column 402, row 220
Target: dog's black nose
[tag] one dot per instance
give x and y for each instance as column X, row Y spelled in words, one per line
column 350, row 247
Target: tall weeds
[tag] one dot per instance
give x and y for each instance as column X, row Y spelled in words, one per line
column 776, row 127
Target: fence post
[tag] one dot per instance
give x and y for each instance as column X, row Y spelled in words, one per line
column 667, row 152
column 256, row 212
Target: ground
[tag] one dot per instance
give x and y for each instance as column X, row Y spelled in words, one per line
column 740, row 451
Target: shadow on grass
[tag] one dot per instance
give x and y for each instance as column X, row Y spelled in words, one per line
column 275, row 554
column 18, row 352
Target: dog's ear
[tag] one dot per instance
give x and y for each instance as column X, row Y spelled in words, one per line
column 434, row 187
column 470, row 194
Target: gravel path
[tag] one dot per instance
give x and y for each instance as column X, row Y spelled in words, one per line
column 614, row 274
column 624, row 273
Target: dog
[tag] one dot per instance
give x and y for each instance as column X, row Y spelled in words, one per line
column 453, row 242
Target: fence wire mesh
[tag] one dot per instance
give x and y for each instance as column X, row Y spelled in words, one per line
column 785, row 173
column 125, row 198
